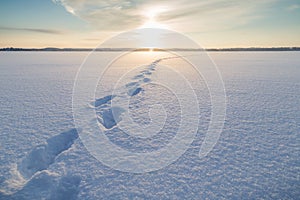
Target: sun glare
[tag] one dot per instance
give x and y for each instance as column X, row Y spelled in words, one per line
column 151, row 14
column 153, row 24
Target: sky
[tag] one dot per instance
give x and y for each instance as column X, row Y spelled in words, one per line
column 87, row 23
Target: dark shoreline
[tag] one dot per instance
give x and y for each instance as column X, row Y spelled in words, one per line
column 148, row 49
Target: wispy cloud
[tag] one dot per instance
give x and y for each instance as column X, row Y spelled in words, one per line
column 36, row 30
column 191, row 15
column 106, row 14
column 293, row 7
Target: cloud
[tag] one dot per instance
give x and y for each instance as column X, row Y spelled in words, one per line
column 36, row 30
column 106, row 14
column 293, row 7
column 188, row 15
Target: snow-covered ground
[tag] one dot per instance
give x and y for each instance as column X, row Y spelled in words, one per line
column 256, row 157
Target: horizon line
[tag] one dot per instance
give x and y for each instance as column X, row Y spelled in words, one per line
column 283, row 48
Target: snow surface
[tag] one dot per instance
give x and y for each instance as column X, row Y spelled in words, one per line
column 256, row 157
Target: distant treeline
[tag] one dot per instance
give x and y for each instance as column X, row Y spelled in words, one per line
column 154, row 49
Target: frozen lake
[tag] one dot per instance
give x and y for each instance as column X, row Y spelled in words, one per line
column 256, row 157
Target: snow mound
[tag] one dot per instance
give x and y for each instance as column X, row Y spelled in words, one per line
column 49, row 185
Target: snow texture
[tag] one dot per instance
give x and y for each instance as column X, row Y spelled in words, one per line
column 257, row 156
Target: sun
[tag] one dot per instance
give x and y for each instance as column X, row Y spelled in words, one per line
column 151, row 14
column 154, row 11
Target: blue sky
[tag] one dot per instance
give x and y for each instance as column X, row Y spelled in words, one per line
column 212, row 23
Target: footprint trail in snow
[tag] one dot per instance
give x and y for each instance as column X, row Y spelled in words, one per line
column 108, row 115
column 33, row 171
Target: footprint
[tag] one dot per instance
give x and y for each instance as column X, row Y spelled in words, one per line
column 131, row 84
column 39, row 186
column 32, row 178
column 42, row 156
column 110, row 117
column 139, row 76
column 146, row 80
column 103, row 100
column 134, row 91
